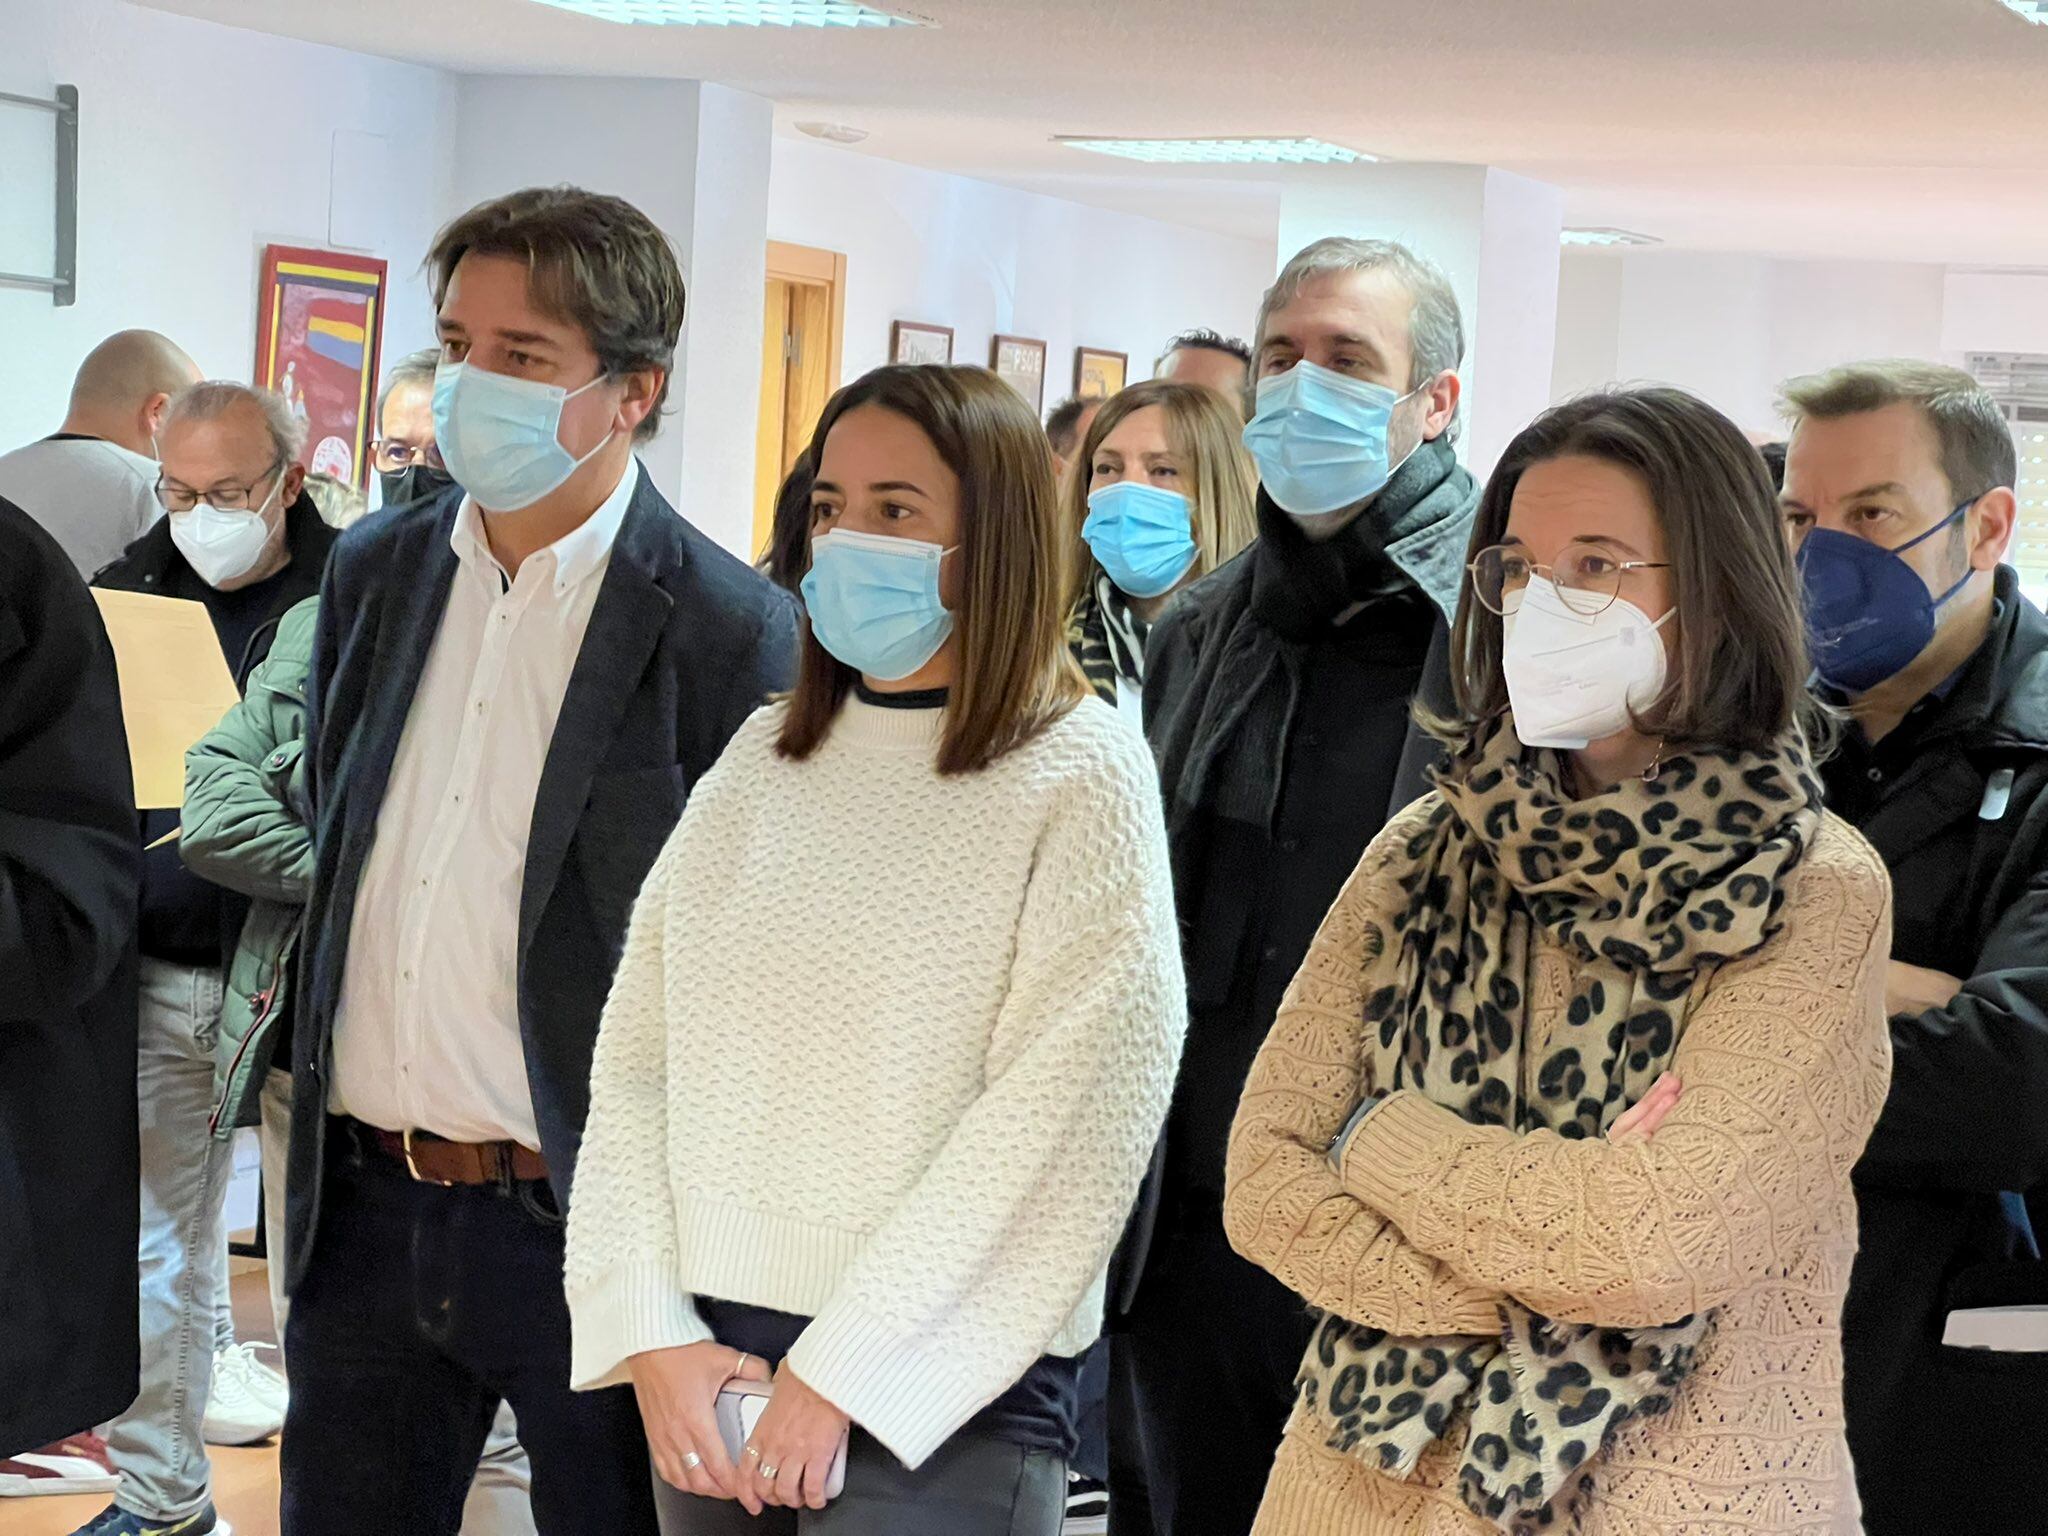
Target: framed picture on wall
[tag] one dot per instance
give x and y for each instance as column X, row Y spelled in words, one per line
column 1099, row 374
column 1020, row 363
column 319, row 335
column 910, row 342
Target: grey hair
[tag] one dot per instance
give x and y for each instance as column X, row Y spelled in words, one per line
column 214, row 398
column 413, row 368
column 1436, row 328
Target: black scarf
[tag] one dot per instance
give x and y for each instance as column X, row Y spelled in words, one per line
column 1225, row 745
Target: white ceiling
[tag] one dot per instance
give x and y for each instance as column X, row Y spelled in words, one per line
column 1909, row 130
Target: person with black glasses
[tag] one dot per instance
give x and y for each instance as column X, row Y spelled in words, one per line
column 407, row 459
column 241, row 536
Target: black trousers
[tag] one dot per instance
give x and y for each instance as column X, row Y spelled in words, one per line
column 974, row 1485
column 1204, row 1370
column 420, row 1309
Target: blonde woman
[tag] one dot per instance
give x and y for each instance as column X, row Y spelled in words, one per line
column 896, row 1024
column 1161, row 494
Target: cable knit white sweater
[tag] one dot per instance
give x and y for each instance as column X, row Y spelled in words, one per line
column 886, row 1050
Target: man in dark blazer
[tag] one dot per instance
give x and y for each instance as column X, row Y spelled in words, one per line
column 515, row 685
column 70, row 872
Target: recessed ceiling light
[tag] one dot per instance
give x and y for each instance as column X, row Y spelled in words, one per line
column 737, row 13
column 833, row 133
column 2035, row 11
column 1219, row 151
column 1607, row 237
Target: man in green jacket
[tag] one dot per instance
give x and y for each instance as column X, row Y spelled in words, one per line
column 245, row 829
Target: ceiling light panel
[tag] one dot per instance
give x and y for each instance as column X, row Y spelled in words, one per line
column 736, row 13
column 1219, row 151
column 2035, row 11
column 1607, row 237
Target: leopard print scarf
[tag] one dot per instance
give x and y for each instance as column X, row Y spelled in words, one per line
column 1647, row 887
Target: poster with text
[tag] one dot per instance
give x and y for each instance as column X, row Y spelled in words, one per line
column 318, row 340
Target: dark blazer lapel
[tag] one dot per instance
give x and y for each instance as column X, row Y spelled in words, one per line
column 417, row 584
column 626, row 624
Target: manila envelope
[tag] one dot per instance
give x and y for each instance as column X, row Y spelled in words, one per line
column 175, row 686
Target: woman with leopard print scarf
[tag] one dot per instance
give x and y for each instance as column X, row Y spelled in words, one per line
column 1555, row 1126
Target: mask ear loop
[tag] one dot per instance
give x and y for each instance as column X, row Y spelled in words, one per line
column 1930, row 533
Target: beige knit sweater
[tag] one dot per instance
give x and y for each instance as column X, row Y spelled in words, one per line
column 1740, row 1202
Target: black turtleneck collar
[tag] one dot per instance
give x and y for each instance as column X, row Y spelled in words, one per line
column 921, row 698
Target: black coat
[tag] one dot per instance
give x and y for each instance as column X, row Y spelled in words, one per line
column 1343, row 636
column 683, row 644
column 153, row 564
column 1956, row 803
column 69, row 872
column 205, row 920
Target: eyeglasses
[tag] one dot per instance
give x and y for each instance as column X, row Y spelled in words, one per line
column 1587, row 580
column 390, row 455
column 229, row 498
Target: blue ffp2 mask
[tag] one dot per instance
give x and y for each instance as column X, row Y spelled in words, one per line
column 1320, row 439
column 1868, row 613
column 1142, row 536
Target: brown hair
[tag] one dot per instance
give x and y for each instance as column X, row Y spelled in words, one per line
column 1739, row 678
column 1977, row 453
column 788, row 554
column 1016, row 674
column 1219, row 478
column 594, row 262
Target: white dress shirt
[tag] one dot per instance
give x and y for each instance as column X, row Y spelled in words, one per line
column 426, row 1033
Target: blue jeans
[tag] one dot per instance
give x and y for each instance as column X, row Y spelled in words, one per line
column 421, row 1310
column 157, row 1445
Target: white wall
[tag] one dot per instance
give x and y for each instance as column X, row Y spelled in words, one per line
column 1732, row 328
column 1995, row 312
column 1588, row 324
column 199, row 144
column 986, row 259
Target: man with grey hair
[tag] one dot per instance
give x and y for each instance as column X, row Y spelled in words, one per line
column 242, row 538
column 408, row 459
column 1277, row 700
column 91, row 483
column 1899, row 498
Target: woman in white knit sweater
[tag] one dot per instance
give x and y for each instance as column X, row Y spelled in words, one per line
column 896, row 1023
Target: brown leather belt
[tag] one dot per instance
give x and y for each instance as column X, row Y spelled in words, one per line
column 431, row 1160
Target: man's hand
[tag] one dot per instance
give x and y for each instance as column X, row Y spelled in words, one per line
column 678, row 1392
column 1915, row 989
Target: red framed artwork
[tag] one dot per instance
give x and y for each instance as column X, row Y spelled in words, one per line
column 319, row 333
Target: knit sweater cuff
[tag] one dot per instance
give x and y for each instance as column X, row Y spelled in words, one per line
column 1399, row 1150
column 630, row 1308
column 906, row 1397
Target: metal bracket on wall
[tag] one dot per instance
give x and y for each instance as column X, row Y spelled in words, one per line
column 63, row 283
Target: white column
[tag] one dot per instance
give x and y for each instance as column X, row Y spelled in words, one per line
column 1494, row 234
column 694, row 158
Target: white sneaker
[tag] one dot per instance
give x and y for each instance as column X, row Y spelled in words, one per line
column 237, row 1410
column 266, row 1383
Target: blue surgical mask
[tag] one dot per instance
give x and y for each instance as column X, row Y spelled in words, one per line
column 1868, row 613
column 1142, row 535
column 500, row 436
column 874, row 602
column 1320, row 439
